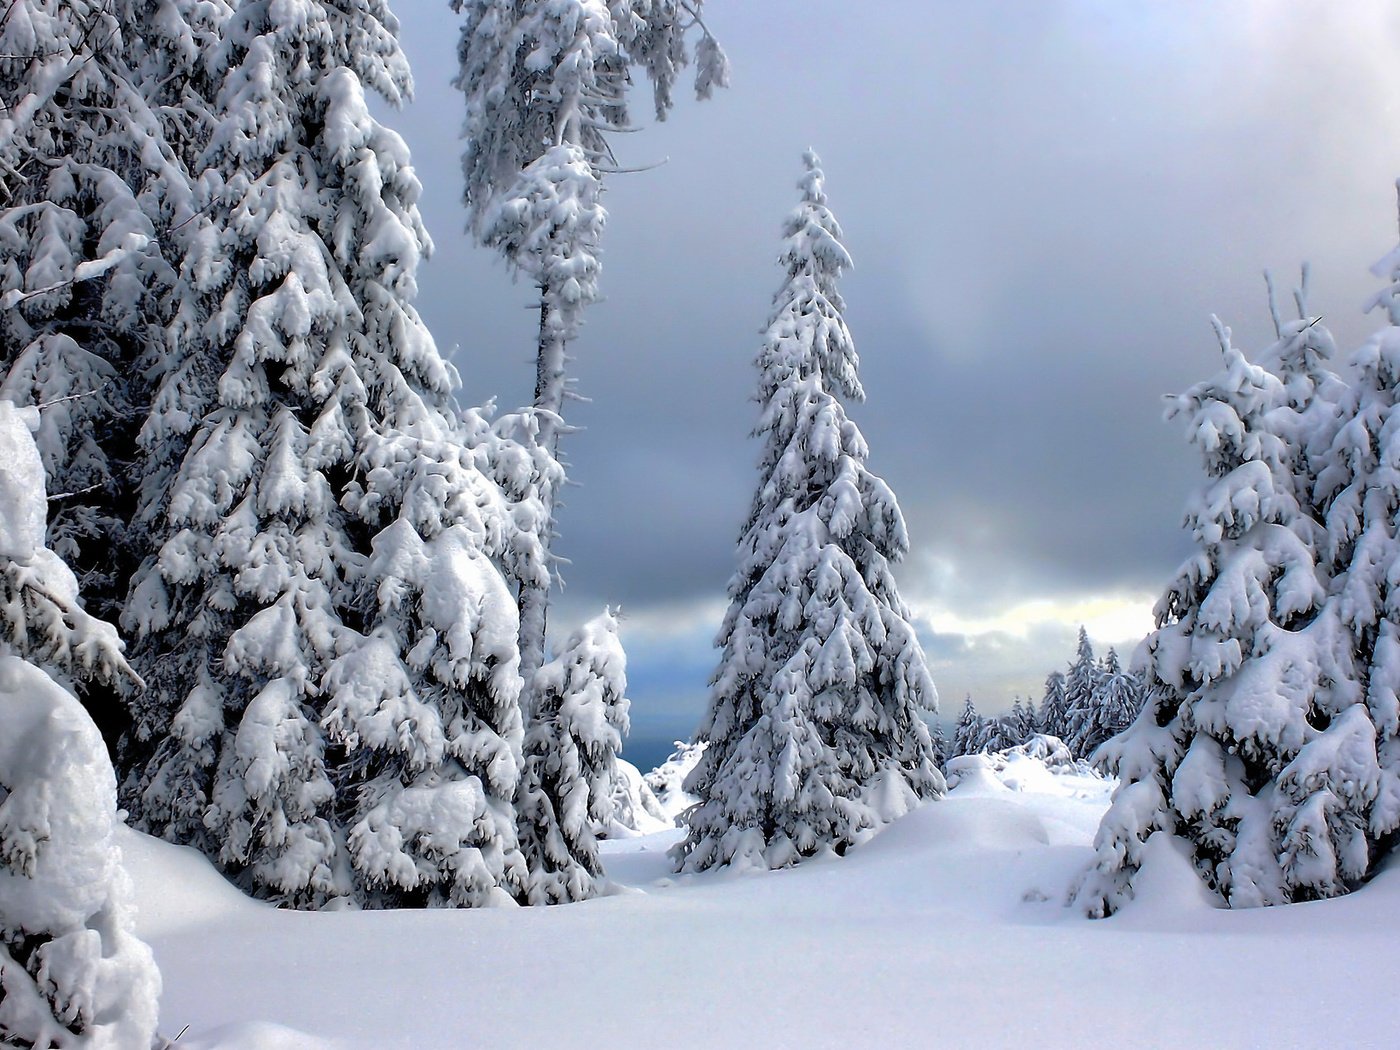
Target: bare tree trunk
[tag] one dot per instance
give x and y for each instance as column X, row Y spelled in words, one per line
column 550, row 386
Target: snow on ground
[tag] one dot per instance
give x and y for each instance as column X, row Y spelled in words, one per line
column 946, row 930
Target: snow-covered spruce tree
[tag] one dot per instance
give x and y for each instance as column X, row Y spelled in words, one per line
column 1119, row 701
column 938, row 741
column 1054, row 711
column 1081, row 688
column 93, row 199
column 968, row 731
column 1253, row 745
column 72, row 973
column 545, row 85
column 1023, row 719
column 814, row 730
column 575, row 733
column 1103, row 717
column 333, row 701
column 997, row 734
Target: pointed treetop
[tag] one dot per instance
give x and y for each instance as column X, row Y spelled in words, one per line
column 806, row 334
column 812, row 236
column 813, row 182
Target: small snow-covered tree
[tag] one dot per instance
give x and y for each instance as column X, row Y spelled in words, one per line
column 1116, row 704
column 330, row 645
column 814, row 730
column 1253, row 745
column 1120, row 700
column 72, row 972
column 545, row 84
column 1112, row 707
column 938, row 740
column 1081, row 689
column 1054, row 711
column 1023, row 719
column 968, row 731
column 997, row 733
column 566, row 790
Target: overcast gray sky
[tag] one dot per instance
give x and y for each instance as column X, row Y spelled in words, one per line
column 1045, row 200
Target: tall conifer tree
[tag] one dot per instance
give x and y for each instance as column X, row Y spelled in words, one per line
column 814, row 728
column 1081, row 688
column 1053, row 713
column 331, row 653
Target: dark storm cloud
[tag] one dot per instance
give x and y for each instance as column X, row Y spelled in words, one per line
column 1045, row 201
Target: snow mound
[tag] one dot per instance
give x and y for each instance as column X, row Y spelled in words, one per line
column 1041, row 764
column 667, row 781
column 68, row 956
column 176, row 886
column 1167, row 884
column 636, row 809
column 21, row 476
column 986, row 825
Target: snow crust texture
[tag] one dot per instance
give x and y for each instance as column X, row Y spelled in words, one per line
column 977, row 876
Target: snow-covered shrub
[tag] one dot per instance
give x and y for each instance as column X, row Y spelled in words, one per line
column 72, row 973
column 667, row 781
column 1044, row 753
column 814, row 727
column 1050, row 750
column 636, row 810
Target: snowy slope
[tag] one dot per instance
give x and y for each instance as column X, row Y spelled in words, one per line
column 945, row 931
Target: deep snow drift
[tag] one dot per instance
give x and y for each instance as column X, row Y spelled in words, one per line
column 946, row 930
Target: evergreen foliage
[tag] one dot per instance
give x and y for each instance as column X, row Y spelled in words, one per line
column 97, row 209
column 1081, row 696
column 575, row 734
column 1263, row 741
column 1116, row 705
column 968, row 731
column 814, row 730
column 333, row 701
column 1023, row 720
column 1053, row 715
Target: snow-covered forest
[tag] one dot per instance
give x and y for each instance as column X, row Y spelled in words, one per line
column 303, row 743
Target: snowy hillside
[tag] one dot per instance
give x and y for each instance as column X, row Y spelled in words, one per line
column 946, row 930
